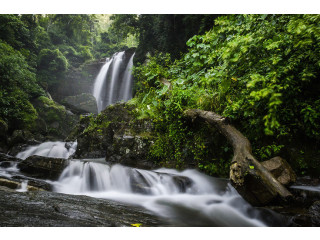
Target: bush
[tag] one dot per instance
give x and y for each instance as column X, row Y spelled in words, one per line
column 18, row 86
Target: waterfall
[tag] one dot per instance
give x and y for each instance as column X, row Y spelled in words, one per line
column 114, row 81
column 187, row 198
column 50, row 149
column 126, row 88
column 99, row 83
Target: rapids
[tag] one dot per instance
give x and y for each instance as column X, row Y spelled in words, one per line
column 187, row 198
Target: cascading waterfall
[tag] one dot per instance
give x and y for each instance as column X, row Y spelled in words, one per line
column 99, row 83
column 187, row 198
column 114, row 81
column 50, row 149
column 126, row 88
column 115, row 76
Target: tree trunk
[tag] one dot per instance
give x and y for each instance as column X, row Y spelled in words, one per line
column 253, row 182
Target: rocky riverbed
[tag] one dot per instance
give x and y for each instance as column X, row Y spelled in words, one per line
column 49, row 209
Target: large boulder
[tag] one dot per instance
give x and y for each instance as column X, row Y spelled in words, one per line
column 43, row 167
column 116, row 135
column 281, row 170
column 82, row 103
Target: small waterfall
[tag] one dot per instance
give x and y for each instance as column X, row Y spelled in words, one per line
column 114, row 81
column 50, row 149
column 187, row 198
column 24, row 186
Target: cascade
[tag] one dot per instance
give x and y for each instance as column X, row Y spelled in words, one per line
column 187, row 198
column 184, row 198
column 114, row 81
column 50, row 149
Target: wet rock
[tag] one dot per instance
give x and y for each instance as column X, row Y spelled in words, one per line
column 182, row 182
column 43, row 167
column 82, row 103
column 48, row 209
column 130, row 151
column 314, row 212
column 281, row 170
column 7, row 158
column 16, row 185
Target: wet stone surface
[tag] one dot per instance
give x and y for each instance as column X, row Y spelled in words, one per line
column 48, row 209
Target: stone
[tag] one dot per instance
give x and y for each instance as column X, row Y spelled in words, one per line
column 50, row 209
column 43, row 167
column 281, row 170
column 314, row 212
column 16, row 185
column 116, row 135
column 82, row 103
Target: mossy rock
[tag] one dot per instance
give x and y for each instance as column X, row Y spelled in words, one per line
column 54, row 120
column 117, row 135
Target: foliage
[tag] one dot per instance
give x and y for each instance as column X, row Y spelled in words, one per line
column 160, row 32
column 18, row 86
column 51, row 66
column 260, row 71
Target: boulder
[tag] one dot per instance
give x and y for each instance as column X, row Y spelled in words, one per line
column 43, row 167
column 130, row 150
column 82, row 103
column 16, row 185
column 314, row 212
column 116, row 135
column 281, row 170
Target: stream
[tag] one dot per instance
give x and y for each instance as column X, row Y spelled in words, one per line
column 181, row 198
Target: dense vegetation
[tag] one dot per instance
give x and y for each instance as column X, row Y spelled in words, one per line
column 260, row 71
column 36, row 53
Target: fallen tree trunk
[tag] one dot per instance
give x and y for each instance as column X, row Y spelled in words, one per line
column 253, row 181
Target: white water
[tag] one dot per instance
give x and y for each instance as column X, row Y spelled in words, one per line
column 126, row 87
column 203, row 201
column 307, row 188
column 24, row 186
column 115, row 76
column 110, row 89
column 99, row 83
column 7, row 172
column 49, row 149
